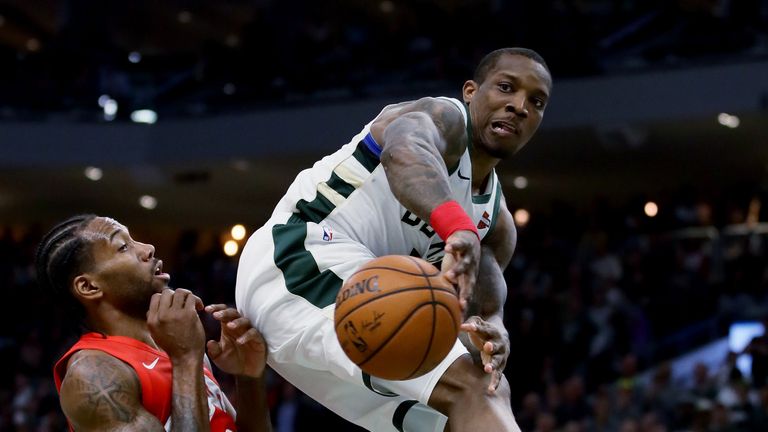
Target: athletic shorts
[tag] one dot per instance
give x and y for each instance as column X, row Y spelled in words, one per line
column 287, row 280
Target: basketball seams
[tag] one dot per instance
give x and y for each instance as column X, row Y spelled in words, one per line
column 418, row 262
column 415, row 322
column 450, row 314
column 395, row 331
column 434, row 319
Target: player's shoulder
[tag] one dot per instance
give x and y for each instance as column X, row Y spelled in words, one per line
column 89, row 364
column 441, row 107
column 446, row 113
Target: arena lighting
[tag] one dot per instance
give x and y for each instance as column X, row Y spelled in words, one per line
column 230, row 248
column 93, row 173
column 144, row 116
column 522, row 217
column 729, row 121
column 244, row 165
column 103, row 100
column 238, row 232
column 148, row 202
column 110, row 106
column 33, row 44
column 520, row 182
column 134, row 57
column 651, row 209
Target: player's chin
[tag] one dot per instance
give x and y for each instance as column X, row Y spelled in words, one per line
column 502, row 148
column 158, row 285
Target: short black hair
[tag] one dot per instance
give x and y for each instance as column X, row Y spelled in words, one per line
column 489, row 61
column 63, row 253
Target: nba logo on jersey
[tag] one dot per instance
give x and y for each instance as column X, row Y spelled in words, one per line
column 327, row 233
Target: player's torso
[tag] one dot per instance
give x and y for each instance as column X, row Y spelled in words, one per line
column 348, row 194
column 155, row 373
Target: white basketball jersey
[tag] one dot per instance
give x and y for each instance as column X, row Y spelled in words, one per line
column 347, row 193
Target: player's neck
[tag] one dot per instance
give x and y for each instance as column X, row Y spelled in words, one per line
column 115, row 323
column 482, row 166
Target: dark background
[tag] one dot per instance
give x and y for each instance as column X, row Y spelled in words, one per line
column 248, row 93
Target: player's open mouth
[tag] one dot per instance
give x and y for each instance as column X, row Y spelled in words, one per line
column 159, row 271
column 504, row 128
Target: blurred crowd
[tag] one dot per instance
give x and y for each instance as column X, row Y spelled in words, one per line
column 303, row 51
column 600, row 302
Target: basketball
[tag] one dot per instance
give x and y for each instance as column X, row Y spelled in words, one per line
column 397, row 317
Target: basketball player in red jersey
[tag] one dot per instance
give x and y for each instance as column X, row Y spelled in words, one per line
column 141, row 366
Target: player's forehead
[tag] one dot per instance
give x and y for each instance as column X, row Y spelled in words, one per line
column 522, row 68
column 103, row 228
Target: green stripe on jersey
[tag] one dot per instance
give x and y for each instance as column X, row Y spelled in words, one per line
column 483, row 199
column 329, row 195
column 340, row 186
column 315, row 210
column 300, row 270
column 398, row 418
column 366, row 157
column 496, row 207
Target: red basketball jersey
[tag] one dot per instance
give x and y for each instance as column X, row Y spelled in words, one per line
column 154, row 370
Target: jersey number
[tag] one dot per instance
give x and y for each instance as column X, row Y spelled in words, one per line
column 413, row 220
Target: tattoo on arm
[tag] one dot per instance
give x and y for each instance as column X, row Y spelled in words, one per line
column 418, row 147
column 101, row 392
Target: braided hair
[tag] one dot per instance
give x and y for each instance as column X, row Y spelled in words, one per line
column 63, row 253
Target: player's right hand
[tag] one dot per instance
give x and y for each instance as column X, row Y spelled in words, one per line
column 174, row 324
column 460, row 263
column 241, row 349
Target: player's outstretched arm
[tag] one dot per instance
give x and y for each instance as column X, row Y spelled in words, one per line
column 418, row 147
column 101, row 393
column 242, row 352
column 485, row 327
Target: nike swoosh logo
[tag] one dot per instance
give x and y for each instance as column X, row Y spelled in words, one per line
column 151, row 365
column 461, row 176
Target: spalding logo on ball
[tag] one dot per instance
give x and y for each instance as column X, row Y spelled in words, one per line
column 397, row 317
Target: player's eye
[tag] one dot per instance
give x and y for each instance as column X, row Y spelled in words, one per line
column 539, row 103
column 505, row 87
column 123, row 247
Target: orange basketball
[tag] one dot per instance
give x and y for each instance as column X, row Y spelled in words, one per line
column 397, row 317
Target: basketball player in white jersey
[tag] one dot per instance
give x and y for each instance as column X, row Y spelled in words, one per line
column 417, row 180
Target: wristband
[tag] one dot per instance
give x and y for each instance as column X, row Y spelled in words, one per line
column 448, row 218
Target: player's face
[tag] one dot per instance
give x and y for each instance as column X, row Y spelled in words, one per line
column 124, row 269
column 507, row 108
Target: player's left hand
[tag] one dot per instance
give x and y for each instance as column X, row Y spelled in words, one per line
column 493, row 345
column 241, row 350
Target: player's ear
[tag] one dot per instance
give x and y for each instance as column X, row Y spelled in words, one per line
column 469, row 89
column 84, row 287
